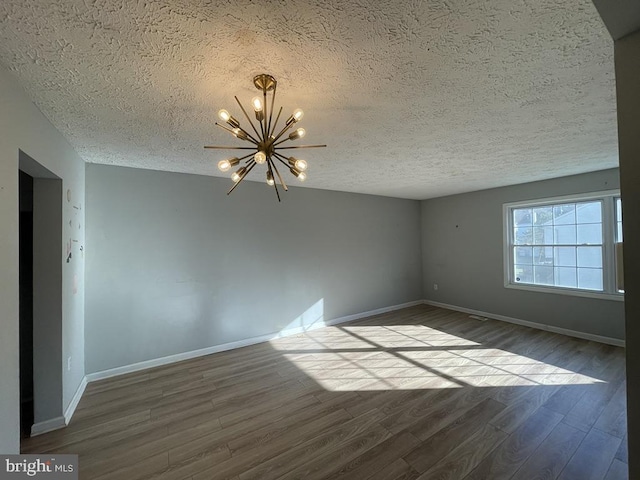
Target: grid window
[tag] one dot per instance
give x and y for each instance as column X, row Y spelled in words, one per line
column 563, row 245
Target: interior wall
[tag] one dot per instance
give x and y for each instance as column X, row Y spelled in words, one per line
column 627, row 61
column 175, row 265
column 47, row 299
column 24, row 128
column 462, row 245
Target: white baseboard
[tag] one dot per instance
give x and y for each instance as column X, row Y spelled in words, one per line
column 371, row 313
column 68, row 413
column 157, row 362
column 47, row 426
column 540, row 326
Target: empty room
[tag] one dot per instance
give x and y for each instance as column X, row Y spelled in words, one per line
column 319, row 240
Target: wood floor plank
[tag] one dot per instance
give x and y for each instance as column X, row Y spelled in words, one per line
column 332, row 440
column 613, row 419
column 445, row 409
column 259, row 455
column 550, row 458
column 438, row 445
column 593, row 458
column 587, row 411
column 377, row 458
column 398, row 470
column 464, row 458
column 137, row 471
column 623, row 453
column 505, row 460
column 618, row 471
column 325, row 465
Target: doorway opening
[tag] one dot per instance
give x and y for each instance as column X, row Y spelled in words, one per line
column 26, row 303
column 40, row 281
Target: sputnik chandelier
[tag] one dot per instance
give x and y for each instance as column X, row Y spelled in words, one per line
column 266, row 143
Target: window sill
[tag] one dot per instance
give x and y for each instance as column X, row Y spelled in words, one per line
column 618, row 297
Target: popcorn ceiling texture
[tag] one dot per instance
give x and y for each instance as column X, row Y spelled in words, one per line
column 415, row 99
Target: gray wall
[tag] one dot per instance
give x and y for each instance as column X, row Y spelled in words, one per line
column 627, row 55
column 47, row 298
column 23, row 127
column 462, row 245
column 175, row 265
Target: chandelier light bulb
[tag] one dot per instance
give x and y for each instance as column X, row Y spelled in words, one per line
column 225, row 165
column 257, row 104
column 238, row 132
column 298, row 114
column 260, row 157
column 298, row 174
column 270, row 180
column 300, row 165
column 237, row 175
column 224, row 115
column 298, row 133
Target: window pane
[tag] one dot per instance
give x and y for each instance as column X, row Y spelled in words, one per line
column 590, row 233
column 522, row 217
column 564, row 214
column 523, row 273
column 543, row 255
column 565, row 234
column 565, row 257
column 543, row 275
column 543, row 216
column 543, row 235
column 590, row 257
column 590, row 278
column 566, row 277
column 618, row 220
column 589, row 212
column 523, row 255
column 523, row 236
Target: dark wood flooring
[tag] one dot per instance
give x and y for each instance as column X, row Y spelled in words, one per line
column 421, row 393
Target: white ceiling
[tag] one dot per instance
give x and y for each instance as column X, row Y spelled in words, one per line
column 415, row 99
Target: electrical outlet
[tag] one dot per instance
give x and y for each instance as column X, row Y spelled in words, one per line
column 435, row 286
column 69, row 363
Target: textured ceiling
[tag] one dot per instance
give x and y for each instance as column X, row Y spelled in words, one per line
column 415, row 99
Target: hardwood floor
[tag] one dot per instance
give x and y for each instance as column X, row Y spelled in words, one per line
column 420, row 393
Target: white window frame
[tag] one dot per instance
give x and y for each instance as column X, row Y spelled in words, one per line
column 609, row 291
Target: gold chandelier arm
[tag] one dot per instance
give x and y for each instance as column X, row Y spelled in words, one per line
column 217, row 147
column 275, row 185
column 250, row 157
column 282, row 159
column 273, row 101
column 286, row 127
column 266, row 112
column 280, row 142
column 242, row 178
column 247, row 116
column 248, row 139
column 275, row 124
column 284, row 185
column 302, row 146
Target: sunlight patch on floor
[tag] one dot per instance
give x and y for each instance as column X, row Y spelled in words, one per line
column 409, row 357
